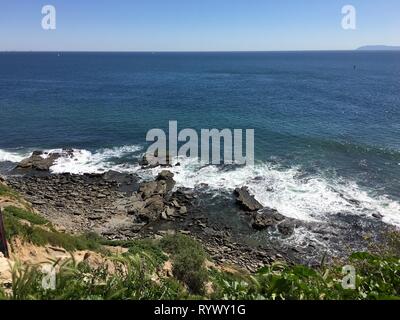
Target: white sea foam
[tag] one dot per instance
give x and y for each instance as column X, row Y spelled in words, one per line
column 309, row 199
column 84, row 161
column 13, row 156
column 287, row 190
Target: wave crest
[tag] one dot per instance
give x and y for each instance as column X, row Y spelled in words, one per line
column 289, row 191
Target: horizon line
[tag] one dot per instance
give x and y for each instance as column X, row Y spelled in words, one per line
column 178, row 51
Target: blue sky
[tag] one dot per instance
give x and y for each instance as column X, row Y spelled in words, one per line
column 197, row 25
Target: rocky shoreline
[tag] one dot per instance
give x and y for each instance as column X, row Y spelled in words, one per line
column 101, row 204
column 121, row 206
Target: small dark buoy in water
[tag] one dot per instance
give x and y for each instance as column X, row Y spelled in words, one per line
column 354, row 67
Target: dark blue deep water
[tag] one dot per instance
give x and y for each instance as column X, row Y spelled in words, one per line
column 333, row 116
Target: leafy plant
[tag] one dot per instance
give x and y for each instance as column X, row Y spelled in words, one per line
column 188, row 258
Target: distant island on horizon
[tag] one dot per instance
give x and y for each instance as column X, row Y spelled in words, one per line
column 379, row 48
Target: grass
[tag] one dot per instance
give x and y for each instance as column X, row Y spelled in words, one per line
column 25, row 215
column 131, row 279
column 6, row 191
column 40, row 232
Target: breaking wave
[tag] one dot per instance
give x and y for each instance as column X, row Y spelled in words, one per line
column 13, row 156
column 84, row 161
column 289, row 190
column 80, row 161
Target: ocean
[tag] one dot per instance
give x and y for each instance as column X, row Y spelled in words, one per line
column 327, row 124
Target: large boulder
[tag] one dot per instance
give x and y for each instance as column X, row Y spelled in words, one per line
column 163, row 185
column 155, row 160
column 168, row 178
column 154, row 207
column 38, row 161
column 153, row 199
column 42, row 161
column 271, row 218
column 246, row 200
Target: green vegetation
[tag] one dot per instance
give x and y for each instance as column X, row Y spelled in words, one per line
column 130, row 279
column 133, row 278
column 188, row 258
column 7, row 191
column 138, row 274
column 25, row 215
column 376, row 278
column 151, row 247
column 34, row 229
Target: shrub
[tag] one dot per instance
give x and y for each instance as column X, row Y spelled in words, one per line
column 377, row 277
column 150, row 246
column 188, row 258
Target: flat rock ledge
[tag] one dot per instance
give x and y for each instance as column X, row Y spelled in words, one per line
column 263, row 218
column 42, row 161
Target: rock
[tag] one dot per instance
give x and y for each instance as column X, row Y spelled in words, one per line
column 175, row 204
column 111, row 175
column 167, row 176
column 352, row 201
column 164, row 215
column 286, row 227
column 170, row 211
column 161, row 188
column 154, row 160
column 150, row 188
column 42, row 161
column 266, row 218
column 261, row 222
column 183, row 210
column 147, row 189
column 154, row 207
column 246, row 200
column 272, row 213
column 135, row 207
column 95, row 217
column 377, row 215
column 38, row 202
